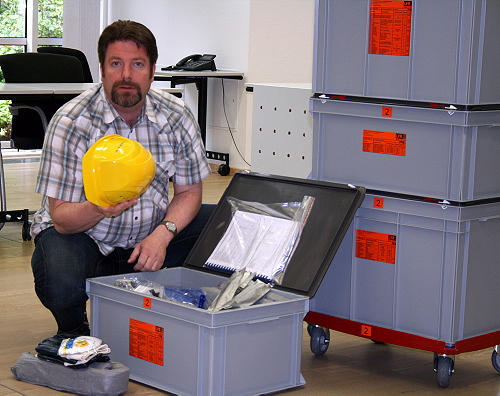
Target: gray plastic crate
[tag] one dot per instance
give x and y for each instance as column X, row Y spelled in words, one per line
column 452, row 58
column 432, row 152
column 422, row 268
column 190, row 351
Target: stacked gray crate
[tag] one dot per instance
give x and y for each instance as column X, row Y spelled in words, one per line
column 453, row 53
column 439, row 197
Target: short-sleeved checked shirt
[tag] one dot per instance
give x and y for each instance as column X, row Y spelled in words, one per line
column 166, row 127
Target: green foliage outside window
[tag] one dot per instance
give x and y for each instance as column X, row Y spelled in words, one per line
column 50, row 18
column 12, row 24
column 12, row 18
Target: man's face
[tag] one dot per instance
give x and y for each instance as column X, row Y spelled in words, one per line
column 126, row 74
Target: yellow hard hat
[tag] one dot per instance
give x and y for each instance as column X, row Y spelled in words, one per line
column 116, row 169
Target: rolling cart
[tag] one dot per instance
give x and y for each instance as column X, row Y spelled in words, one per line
column 415, row 273
column 319, row 326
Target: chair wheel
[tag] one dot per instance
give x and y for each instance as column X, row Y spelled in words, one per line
column 224, row 170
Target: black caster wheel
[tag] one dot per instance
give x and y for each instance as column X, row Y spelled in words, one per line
column 320, row 339
column 223, row 170
column 26, row 234
column 378, row 342
column 443, row 366
column 495, row 360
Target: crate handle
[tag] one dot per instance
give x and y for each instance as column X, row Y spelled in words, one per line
column 263, row 319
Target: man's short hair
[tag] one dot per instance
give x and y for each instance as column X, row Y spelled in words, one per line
column 128, row 31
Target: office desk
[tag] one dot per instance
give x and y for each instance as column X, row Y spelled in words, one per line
column 42, row 91
column 200, row 78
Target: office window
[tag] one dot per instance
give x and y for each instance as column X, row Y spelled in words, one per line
column 50, row 21
column 25, row 25
column 12, row 26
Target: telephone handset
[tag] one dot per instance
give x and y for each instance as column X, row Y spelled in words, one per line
column 195, row 62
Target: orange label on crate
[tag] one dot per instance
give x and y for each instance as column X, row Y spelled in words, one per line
column 384, row 142
column 366, row 331
column 387, row 111
column 390, row 27
column 378, row 203
column 376, row 246
column 146, row 341
column 148, row 302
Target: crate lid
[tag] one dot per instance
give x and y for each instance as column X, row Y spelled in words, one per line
column 334, row 208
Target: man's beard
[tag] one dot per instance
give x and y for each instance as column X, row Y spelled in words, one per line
column 126, row 99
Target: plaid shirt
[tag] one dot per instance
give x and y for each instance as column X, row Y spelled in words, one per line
column 166, row 127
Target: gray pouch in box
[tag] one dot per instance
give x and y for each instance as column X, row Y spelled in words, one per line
column 100, row 378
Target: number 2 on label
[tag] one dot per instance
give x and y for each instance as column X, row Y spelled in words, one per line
column 366, row 331
column 378, row 202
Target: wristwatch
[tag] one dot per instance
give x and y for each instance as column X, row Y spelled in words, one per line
column 170, row 226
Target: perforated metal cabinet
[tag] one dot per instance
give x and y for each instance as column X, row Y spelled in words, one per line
column 254, row 350
column 452, row 50
column 438, row 279
column 282, row 129
column 431, row 152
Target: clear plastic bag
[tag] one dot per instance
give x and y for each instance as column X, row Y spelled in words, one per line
column 141, row 286
column 261, row 238
column 184, row 295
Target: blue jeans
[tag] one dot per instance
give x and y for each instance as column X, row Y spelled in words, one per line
column 62, row 262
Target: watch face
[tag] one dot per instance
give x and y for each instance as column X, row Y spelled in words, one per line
column 170, row 226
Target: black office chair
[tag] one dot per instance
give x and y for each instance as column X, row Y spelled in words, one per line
column 87, row 75
column 31, row 115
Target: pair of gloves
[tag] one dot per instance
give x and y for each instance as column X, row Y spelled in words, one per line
column 73, row 352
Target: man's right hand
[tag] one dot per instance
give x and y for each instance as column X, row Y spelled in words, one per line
column 113, row 211
column 74, row 217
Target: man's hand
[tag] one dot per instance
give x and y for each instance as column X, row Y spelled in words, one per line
column 149, row 254
column 74, row 217
column 113, row 211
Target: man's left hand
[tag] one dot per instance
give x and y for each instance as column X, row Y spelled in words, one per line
column 149, row 255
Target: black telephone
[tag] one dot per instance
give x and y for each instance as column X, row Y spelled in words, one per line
column 195, row 62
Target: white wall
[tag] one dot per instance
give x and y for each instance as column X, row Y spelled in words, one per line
column 281, row 41
column 268, row 40
column 81, row 27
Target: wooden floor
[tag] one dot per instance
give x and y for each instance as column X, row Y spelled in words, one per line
column 351, row 366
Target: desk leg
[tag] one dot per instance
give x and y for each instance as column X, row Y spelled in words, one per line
column 202, row 86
